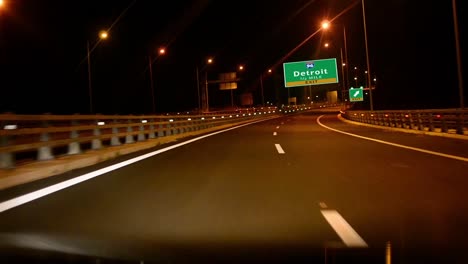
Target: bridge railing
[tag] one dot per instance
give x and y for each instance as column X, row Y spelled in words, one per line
column 435, row 120
column 43, row 137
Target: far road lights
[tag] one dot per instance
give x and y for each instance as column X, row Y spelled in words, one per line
column 241, row 68
column 210, row 60
column 325, row 24
column 102, row 35
column 162, row 51
column 326, row 45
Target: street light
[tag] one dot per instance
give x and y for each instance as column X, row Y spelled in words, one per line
column 205, row 91
column 2, row 3
column 344, row 59
column 161, row 52
column 241, row 67
column 261, row 86
column 103, row 35
column 367, row 56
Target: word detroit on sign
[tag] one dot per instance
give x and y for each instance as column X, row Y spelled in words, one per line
column 312, row 72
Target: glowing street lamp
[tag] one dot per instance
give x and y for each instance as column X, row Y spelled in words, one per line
column 241, row 67
column 325, row 24
column 162, row 51
column 326, row 45
column 2, row 3
column 103, row 35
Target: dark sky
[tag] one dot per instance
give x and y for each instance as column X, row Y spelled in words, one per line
column 43, row 44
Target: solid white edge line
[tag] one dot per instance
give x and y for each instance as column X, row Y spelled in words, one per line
column 344, row 230
column 25, row 198
column 393, row 144
column 279, row 149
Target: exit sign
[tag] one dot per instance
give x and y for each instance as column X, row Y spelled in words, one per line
column 356, row 94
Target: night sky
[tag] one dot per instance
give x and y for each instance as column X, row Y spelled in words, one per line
column 43, row 66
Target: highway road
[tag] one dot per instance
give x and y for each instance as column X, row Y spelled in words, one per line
column 305, row 188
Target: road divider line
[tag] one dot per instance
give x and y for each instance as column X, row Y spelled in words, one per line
column 275, row 134
column 279, row 149
column 323, row 205
column 344, row 230
column 394, row 144
column 29, row 197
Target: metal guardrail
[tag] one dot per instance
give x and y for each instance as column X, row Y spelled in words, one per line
column 434, row 120
column 42, row 137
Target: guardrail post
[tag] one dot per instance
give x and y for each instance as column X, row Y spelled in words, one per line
column 460, row 121
column 151, row 128
column 6, row 158
column 431, row 122
column 420, row 122
column 444, row 127
column 411, row 121
column 44, row 152
column 74, row 147
column 161, row 130
column 141, row 134
column 115, row 141
column 96, row 143
column 129, row 138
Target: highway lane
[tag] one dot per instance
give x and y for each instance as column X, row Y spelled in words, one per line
column 235, row 193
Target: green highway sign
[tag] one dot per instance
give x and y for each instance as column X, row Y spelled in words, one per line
column 312, row 72
column 356, row 94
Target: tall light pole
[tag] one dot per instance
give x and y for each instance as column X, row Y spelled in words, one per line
column 103, row 35
column 459, row 62
column 161, row 52
column 344, row 60
column 367, row 57
column 240, row 68
column 205, row 90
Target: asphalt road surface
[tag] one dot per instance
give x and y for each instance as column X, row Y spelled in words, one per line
column 293, row 189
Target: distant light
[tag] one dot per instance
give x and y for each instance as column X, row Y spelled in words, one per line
column 210, row 60
column 189, row 119
column 214, row 117
column 270, row 71
column 103, row 34
column 144, row 121
column 326, row 45
column 241, row 68
column 101, row 123
column 325, row 24
column 162, row 51
column 344, row 64
column 202, row 118
column 9, row 127
column 2, row 3
column 171, row 120
column 222, row 117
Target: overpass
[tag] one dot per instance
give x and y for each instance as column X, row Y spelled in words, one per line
column 301, row 186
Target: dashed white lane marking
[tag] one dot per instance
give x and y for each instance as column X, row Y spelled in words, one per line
column 394, row 144
column 29, row 197
column 279, row 149
column 344, row 230
column 323, row 205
